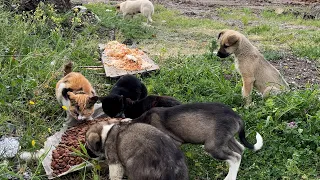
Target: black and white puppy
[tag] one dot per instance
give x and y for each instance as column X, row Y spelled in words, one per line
column 125, row 107
column 128, row 86
column 139, row 150
column 211, row 124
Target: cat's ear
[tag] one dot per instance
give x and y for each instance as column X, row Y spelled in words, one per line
column 71, row 95
column 92, row 100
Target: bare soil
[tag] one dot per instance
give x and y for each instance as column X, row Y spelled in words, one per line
column 297, row 71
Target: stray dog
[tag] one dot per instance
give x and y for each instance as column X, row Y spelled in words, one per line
column 125, row 107
column 139, row 150
column 211, row 124
column 250, row 63
column 144, row 7
column 128, row 86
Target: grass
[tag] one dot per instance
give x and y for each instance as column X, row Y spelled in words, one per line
column 35, row 47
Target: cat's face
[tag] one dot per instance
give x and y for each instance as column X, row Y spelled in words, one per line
column 82, row 106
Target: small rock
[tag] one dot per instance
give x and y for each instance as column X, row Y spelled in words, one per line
column 279, row 10
column 9, row 147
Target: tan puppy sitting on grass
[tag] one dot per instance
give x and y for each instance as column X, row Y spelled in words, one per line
column 132, row 7
column 253, row 68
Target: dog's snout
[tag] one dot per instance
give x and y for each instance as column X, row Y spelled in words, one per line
column 222, row 55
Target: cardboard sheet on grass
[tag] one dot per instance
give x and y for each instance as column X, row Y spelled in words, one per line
column 54, row 140
column 114, row 72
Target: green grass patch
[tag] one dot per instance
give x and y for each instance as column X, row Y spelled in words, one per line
column 259, row 29
column 35, row 47
column 173, row 19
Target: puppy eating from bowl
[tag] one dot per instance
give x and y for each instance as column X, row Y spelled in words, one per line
column 252, row 66
column 211, row 124
column 132, row 7
column 119, row 106
column 140, row 151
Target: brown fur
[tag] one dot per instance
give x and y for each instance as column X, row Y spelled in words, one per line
column 252, row 66
column 76, row 93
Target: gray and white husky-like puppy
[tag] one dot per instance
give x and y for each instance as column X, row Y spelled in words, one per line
column 139, row 150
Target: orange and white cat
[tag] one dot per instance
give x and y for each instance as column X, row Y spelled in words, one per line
column 75, row 92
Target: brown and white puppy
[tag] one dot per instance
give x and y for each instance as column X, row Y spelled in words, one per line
column 252, row 66
column 139, row 150
column 131, row 7
column 211, row 124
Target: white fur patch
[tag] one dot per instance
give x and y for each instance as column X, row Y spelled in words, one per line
column 259, row 143
column 234, row 165
column 240, row 145
column 104, row 132
column 116, row 171
column 60, row 98
column 126, row 120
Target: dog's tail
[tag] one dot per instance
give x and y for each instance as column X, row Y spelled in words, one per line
column 243, row 140
column 67, row 68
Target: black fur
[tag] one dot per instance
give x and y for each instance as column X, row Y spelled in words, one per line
column 65, row 92
column 133, row 109
column 112, row 105
column 127, row 86
column 130, row 87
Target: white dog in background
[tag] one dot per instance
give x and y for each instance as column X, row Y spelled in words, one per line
column 132, row 7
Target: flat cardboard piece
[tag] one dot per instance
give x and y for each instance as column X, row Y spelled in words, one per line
column 114, row 72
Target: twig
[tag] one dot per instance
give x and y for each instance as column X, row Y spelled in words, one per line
column 91, row 67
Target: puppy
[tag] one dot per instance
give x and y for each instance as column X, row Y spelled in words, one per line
column 125, row 107
column 144, row 7
column 211, row 124
column 128, row 86
column 139, row 150
column 250, row 63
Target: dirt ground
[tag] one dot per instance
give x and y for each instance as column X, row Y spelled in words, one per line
column 297, row 71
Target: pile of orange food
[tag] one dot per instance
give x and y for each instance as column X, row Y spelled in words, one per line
column 122, row 57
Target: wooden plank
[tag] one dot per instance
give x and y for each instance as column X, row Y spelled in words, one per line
column 114, row 72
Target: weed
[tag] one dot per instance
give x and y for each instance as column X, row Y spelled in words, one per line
column 36, row 46
column 259, row 29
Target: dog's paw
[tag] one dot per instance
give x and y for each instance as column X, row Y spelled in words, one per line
column 146, row 24
column 249, row 105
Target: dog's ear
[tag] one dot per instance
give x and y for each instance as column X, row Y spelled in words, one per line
column 118, row 6
column 94, row 141
column 232, row 39
column 221, row 33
